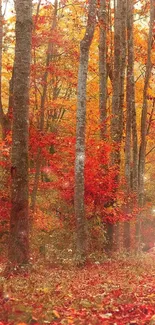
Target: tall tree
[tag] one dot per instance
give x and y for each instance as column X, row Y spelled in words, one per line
column 118, row 79
column 131, row 146
column 80, row 132
column 103, row 67
column 142, row 150
column 123, row 11
column 118, row 94
column 116, row 121
column 104, row 70
column 19, row 221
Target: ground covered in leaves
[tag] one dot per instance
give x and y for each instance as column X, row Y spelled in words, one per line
column 118, row 291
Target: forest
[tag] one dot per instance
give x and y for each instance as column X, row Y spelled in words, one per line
column 77, row 162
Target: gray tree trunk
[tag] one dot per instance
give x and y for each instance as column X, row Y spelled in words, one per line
column 142, row 150
column 103, row 68
column 19, row 220
column 116, row 121
column 80, row 133
column 131, row 147
column 122, row 62
column 118, row 88
column 103, row 74
column 118, row 78
column 123, row 10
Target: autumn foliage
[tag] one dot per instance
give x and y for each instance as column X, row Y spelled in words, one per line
column 114, row 283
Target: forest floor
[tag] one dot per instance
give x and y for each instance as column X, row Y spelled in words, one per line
column 119, row 291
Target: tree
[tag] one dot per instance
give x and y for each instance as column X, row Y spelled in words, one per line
column 143, row 140
column 121, row 94
column 131, row 147
column 80, row 132
column 103, row 67
column 117, row 97
column 19, row 219
column 117, row 113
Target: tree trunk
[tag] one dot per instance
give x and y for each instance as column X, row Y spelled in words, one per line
column 122, row 63
column 80, row 133
column 123, row 10
column 116, row 127
column 103, row 68
column 142, row 150
column 109, row 245
column 118, row 85
column 131, row 156
column 19, row 221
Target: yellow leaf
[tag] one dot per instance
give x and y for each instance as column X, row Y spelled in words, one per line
column 46, row 290
column 56, row 314
column 70, row 320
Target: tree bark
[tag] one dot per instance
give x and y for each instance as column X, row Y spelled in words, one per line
column 142, row 150
column 19, row 220
column 80, row 133
column 123, row 11
column 122, row 63
column 103, row 68
column 116, row 121
column 118, row 85
column 131, row 147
